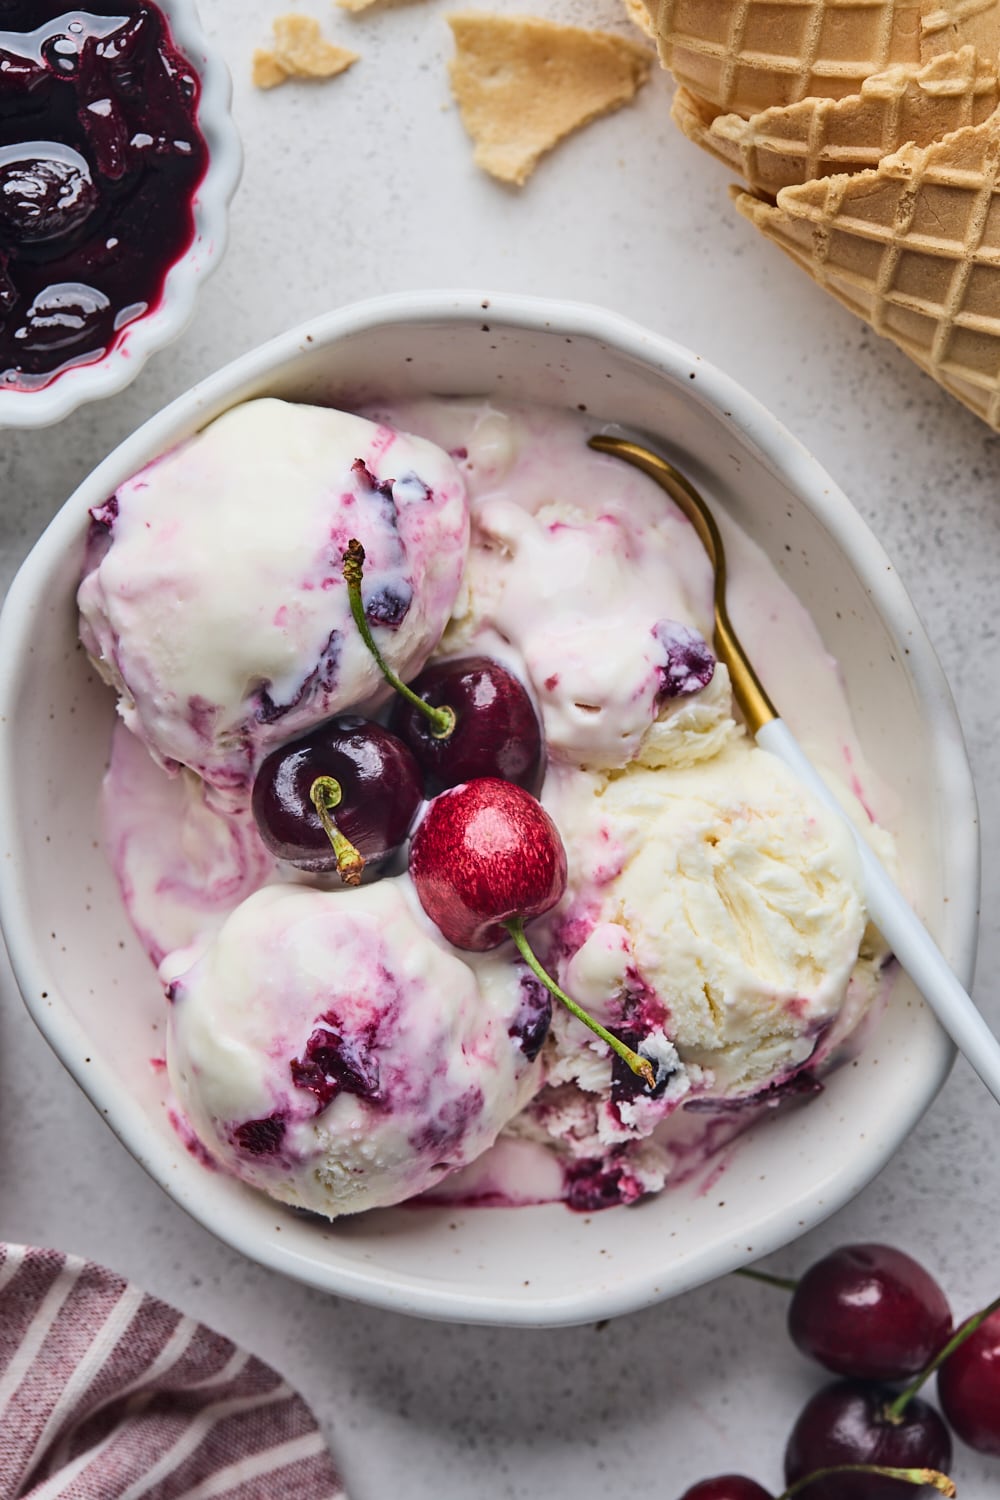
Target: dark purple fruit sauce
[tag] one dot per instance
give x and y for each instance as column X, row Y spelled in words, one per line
column 100, row 160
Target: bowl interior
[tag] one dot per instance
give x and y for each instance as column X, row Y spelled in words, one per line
column 91, row 990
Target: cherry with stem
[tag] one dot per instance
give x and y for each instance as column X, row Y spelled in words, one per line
column 340, row 799
column 462, row 717
column 486, row 859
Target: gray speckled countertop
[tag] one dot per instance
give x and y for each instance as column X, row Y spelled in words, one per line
column 367, row 185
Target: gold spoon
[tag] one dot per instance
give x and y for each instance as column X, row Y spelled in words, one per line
column 888, row 908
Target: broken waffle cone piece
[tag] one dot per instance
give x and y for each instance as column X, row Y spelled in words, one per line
column 522, row 84
column 299, row 51
column 913, row 248
column 819, row 137
column 744, row 56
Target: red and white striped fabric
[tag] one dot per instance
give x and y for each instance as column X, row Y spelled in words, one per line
column 106, row 1393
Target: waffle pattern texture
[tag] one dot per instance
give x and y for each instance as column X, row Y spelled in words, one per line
column 867, row 135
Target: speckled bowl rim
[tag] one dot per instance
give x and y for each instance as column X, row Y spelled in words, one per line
column 794, row 466
column 175, row 309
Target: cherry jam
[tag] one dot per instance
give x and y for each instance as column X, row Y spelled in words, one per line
column 100, row 161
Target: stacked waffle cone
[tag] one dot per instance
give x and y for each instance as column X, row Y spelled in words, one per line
column 867, row 133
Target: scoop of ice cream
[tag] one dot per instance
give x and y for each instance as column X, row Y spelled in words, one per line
column 587, row 582
column 330, row 1049
column 214, row 599
column 719, row 904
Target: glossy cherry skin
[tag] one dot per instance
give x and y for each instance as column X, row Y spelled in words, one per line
column 380, row 783
column 496, row 731
column 485, row 852
column 869, row 1312
column 969, row 1387
column 727, row 1487
column 845, row 1423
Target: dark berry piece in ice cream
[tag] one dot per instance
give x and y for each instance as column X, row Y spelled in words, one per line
column 389, row 605
column 261, row 1137
column 689, row 664
column 625, row 1085
column 332, row 1063
column 531, row 1025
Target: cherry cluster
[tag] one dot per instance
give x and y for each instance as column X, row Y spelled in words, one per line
column 874, row 1317
column 486, row 857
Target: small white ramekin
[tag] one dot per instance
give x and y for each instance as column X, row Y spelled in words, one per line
column 175, row 309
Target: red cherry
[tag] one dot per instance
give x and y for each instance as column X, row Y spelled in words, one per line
column 869, row 1312
column 486, row 859
column 727, row 1487
column 850, row 1424
column 969, row 1387
column 485, row 853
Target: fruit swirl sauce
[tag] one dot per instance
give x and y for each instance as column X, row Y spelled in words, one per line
column 100, row 161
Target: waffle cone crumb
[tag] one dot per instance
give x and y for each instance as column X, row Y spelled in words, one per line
column 522, row 84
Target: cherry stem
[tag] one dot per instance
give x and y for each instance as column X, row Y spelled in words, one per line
column 894, row 1411
column 442, row 720
column 325, row 794
column 783, row 1283
column 934, row 1477
column 639, row 1065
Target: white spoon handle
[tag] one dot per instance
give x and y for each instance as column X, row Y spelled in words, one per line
column 899, row 924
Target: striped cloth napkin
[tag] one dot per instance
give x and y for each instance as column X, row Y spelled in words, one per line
column 106, row 1393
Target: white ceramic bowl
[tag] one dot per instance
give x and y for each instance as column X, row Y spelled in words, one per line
column 95, row 998
column 175, row 309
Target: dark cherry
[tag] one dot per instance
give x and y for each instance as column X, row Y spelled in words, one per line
column 100, row 161
column 43, row 197
column 380, row 784
column 969, row 1387
column 847, row 1423
column 727, row 1487
column 496, row 731
column 869, row 1312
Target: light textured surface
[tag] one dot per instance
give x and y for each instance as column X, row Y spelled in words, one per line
column 369, row 186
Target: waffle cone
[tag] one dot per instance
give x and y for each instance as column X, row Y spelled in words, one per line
column 744, row 56
column 820, row 137
column 913, row 248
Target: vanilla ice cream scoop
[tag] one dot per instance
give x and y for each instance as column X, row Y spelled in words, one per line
column 331, row 1049
column 722, row 903
column 580, row 578
column 214, row 601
